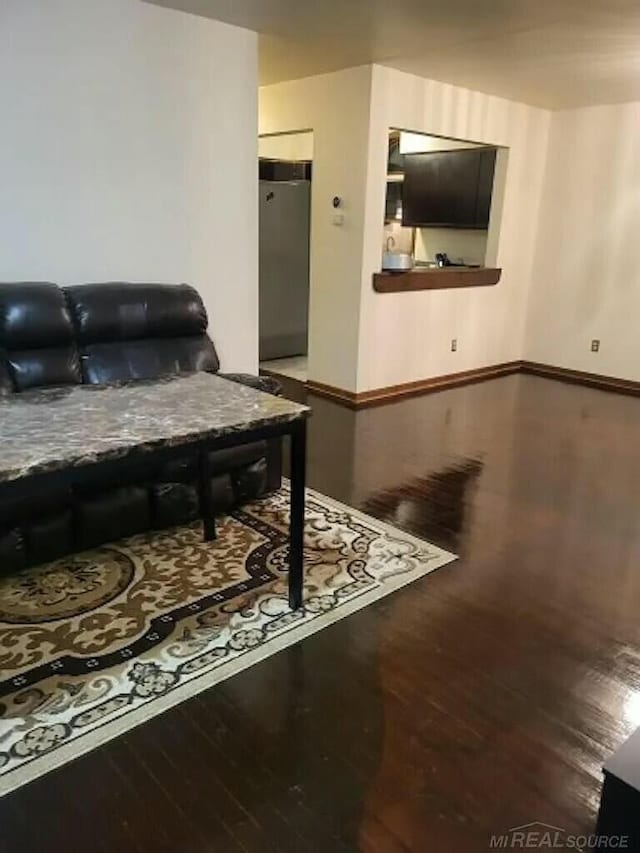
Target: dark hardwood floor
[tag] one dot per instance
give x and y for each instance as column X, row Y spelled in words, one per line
column 484, row 696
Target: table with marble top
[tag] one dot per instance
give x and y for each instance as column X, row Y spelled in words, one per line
column 64, row 433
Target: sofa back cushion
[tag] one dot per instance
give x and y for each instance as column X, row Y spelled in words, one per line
column 37, row 336
column 131, row 331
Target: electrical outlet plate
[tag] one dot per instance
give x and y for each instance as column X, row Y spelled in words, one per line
column 595, row 345
column 454, row 345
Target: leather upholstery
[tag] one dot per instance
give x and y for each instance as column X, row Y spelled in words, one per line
column 174, row 503
column 235, row 457
column 100, row 334
column 35, row 506
column 50, row 536
column 122, row 311
column 33, row 315
column 36, row 529
column 177, row 503
column 269, row 477
column 107, row 516
column 139, row 331
column 6, row 386
column 251, row 480
column 41, row 367
column 37, row 335
column 13, row 551
column 128, row 360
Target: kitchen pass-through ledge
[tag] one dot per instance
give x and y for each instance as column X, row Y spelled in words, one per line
column 440, row 278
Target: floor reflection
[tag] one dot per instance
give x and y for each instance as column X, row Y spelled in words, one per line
column 434, row 507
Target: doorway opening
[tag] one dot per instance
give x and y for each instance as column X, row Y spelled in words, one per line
column 285, row 176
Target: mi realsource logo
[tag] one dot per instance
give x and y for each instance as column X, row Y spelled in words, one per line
column 543, row 836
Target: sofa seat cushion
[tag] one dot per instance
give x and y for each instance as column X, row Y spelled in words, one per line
column 44, row 367
column 123, row 361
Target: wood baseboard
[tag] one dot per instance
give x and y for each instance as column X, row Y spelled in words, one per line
column 331, row 392
column 581, row 377
column 380, row 396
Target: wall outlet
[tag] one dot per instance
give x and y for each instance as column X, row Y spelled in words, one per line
column 454, row 344
column 595, row 345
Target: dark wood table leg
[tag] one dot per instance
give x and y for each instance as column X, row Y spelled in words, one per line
column 206, row 496
column 296, row 531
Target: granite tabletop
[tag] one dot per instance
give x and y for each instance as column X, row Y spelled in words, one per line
column 55, row 428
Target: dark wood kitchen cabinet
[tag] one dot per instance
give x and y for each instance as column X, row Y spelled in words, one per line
column 486, row 173
column 449, row 189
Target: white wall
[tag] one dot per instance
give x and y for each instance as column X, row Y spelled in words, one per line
column 587, row 266
column 417, row 143
column 469, row 245
column 566, row 244
column 128, row 150
column 403, row 238
column 407, row 336
column 287, row 146
column 336, row 107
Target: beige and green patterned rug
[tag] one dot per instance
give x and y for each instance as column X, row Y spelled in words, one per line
column 95, row 644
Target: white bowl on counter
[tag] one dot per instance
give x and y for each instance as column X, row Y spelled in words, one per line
column 397, row 261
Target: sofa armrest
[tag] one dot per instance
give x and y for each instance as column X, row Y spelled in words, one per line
column 261, row 383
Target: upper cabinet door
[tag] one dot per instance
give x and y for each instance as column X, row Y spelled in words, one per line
column 485, row 186
column 448, row 188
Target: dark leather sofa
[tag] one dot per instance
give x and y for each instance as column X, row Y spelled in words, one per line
column 100, row 334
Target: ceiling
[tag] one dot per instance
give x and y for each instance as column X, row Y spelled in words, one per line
column 550, row 53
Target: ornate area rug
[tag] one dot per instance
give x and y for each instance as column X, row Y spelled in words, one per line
column 95, row 644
